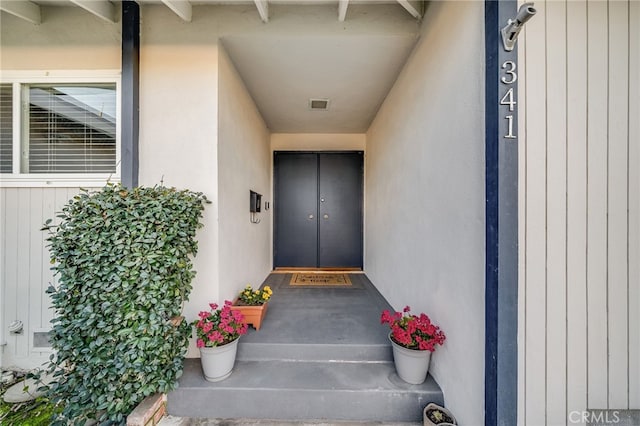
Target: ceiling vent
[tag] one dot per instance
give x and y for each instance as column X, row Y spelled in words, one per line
column 319, row 104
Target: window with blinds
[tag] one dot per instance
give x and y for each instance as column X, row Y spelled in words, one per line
column 6, row 128
column 71, row 128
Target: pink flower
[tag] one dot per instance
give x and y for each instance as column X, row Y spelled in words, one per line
column 425, row 346
column 237, row 316
column 220, row 326
column 413, row 331
column 386, row 317
column 431, row 330
column 215, row 336
column 401, row 336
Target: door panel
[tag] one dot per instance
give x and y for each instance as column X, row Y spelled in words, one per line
column 296, row 233
column 340, row 210
column 318, row 209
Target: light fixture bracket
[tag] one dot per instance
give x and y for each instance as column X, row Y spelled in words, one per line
column 514, row 26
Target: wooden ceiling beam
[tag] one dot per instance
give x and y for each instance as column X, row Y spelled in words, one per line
column 413, row 7
column 103, row 9
column 182, row 8
column 342, row 9
column 22, row 9
column 263, row 9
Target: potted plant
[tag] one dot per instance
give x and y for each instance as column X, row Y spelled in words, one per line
column 435, row 415
column 218, row 332
column 253, row 304
column 413, row 338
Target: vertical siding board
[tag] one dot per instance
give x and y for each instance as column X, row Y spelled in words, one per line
column 522, row 232
column 49, row 210
column 3, row 270
column 556, row 213
column 634, row 205
column 597, row 205
column 24, row 263
column 35, row 259
column 576, row 206
column 617, row 209
column 11, row 272
column 535, row 223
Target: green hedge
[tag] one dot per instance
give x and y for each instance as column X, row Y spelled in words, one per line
column 123, row 261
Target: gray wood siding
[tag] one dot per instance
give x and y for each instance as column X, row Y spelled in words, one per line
column 579, row 210
column 25, row 269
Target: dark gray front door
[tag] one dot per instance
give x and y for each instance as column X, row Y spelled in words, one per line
column 318, row 209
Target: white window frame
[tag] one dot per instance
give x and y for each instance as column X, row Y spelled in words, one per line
column 34, row 180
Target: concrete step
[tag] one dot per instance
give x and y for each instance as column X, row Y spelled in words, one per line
column 189, row 421
column 303, row 390
column 262, row 351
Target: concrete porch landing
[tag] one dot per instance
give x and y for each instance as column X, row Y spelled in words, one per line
column 321, row 354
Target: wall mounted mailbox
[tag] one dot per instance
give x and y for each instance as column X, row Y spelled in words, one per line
column 255, row 200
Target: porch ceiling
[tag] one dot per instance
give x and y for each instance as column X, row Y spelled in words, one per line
column 347, row 51
column 354, row 73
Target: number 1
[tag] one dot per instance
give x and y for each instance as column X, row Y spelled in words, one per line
column 510, row 134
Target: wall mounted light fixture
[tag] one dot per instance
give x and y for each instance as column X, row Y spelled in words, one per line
column 512, row 29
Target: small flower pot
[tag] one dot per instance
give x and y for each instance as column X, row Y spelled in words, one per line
column 253, row 315
column 435, row 415
column 217, row 362
column 412, row 365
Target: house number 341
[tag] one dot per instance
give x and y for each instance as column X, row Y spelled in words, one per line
column 509, row 99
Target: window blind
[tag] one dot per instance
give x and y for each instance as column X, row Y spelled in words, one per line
column 6, row 128
column 72, row 128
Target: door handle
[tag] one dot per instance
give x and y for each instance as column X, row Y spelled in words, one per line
column 326, row 216
column 310, row 216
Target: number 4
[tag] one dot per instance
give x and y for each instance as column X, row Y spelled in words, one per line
column 507, row 99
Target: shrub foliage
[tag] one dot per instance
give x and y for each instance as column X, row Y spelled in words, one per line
column 123, row 261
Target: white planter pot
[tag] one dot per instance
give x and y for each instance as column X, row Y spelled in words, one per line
column 411, row 365
column 217, row 362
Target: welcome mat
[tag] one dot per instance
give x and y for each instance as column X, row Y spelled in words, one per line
column 320, row 280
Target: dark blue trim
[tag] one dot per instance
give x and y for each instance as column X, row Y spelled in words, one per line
column 130, row 85
column 501, row 210
column 491, row 217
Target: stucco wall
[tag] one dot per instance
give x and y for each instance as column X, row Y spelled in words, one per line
column 68, row 38
column 318, row 141
column 425, row 196
column 179, row 128
column 579, row 282
column 244, row 163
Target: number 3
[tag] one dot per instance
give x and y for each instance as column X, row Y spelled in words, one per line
column 511, row 71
